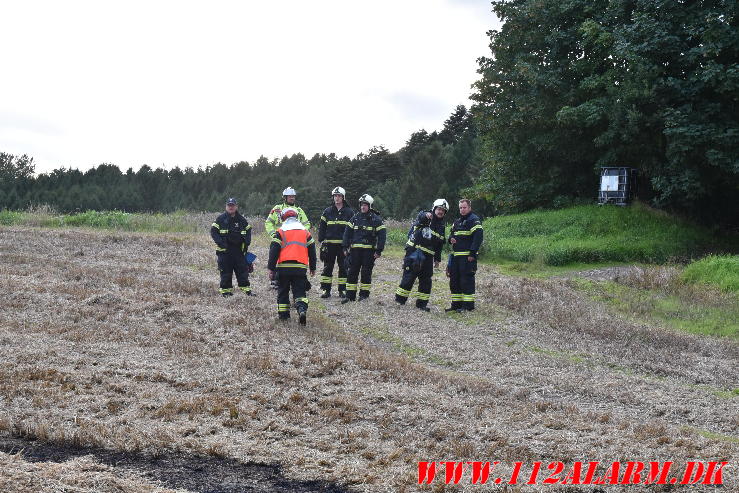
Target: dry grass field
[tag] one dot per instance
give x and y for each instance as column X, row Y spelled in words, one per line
column 119, row 346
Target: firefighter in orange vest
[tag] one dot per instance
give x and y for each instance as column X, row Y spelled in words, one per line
column 291, row 254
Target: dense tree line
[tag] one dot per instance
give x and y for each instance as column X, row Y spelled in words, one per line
column 430, row 165
column 570, row 86
column 578, row 84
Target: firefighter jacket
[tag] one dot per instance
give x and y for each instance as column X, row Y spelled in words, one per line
column 427, row 235
column 467, row 230
column 273, row 220
column 231, row 232
column 365, row 231
column 292, row 247
column 333, row 223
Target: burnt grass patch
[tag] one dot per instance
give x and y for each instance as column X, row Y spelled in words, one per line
column 176, row 470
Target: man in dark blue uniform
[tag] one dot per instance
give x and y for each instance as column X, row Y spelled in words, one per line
column 423, row 253
column 364, row 240
column 232, row 235
column 466, row 239
column 334, row 221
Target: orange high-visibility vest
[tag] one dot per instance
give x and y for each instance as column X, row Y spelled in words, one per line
column 294, row 246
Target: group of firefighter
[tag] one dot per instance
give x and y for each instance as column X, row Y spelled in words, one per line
column 351, row 240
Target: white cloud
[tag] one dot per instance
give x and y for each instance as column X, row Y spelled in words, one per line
column 188, row 83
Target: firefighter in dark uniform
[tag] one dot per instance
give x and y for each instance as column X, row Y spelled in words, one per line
column 232, row 234
column 292, row 252
column 466, row 239
column 364, row 240
column 426, row 235
column 334, row 221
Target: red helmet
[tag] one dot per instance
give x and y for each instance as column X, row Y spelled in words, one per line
column 288, row 212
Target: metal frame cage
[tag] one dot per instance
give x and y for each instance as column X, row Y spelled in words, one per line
column 617, row 185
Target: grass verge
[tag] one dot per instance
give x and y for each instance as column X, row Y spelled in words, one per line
column 598, row 234
column 721, row 271
column 672, row 308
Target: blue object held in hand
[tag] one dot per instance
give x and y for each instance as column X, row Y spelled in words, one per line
column 250, row 257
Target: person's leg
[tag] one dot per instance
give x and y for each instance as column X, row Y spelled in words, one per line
column 225, row 267
column 340, row 258
column 424, row 283
column 328, row 269
column 368, row 263
column 283, row 298
column 468, row 284
column 454, row 283
column 353, row 274
column 406, row 283
column 242, row 273
column 300, row 297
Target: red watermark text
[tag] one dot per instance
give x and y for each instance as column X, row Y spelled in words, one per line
column 611, row 473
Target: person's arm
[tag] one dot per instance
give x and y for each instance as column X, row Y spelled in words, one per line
column 477, row 236
column 348, row 233
column 440, row 240
column 246, row 234
column 274, row 251
column 322, row 229
column 215, row 234
column 422, row 219
column 412, row 239
column 381, row 236
column 270, row 224
column 303, row 218
column 311, row 255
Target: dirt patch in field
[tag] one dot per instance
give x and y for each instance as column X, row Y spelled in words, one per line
column 176, row 471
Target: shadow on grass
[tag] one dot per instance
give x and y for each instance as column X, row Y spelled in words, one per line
column 176, row 470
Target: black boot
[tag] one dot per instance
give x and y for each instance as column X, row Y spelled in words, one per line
column 342, row 294
column 346, row 300
column 302, row 317
column 326, row 294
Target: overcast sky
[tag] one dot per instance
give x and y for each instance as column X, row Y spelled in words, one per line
column 185, row 83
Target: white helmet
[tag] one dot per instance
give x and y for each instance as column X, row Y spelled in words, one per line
column 338, row 190
column 441, row 203
column 289, row 191
column 366, row 199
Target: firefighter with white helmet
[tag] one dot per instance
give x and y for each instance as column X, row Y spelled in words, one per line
column 291, row 253
column 423, row 253
column 364, row 240
column 288, row 200
column 334, row 221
